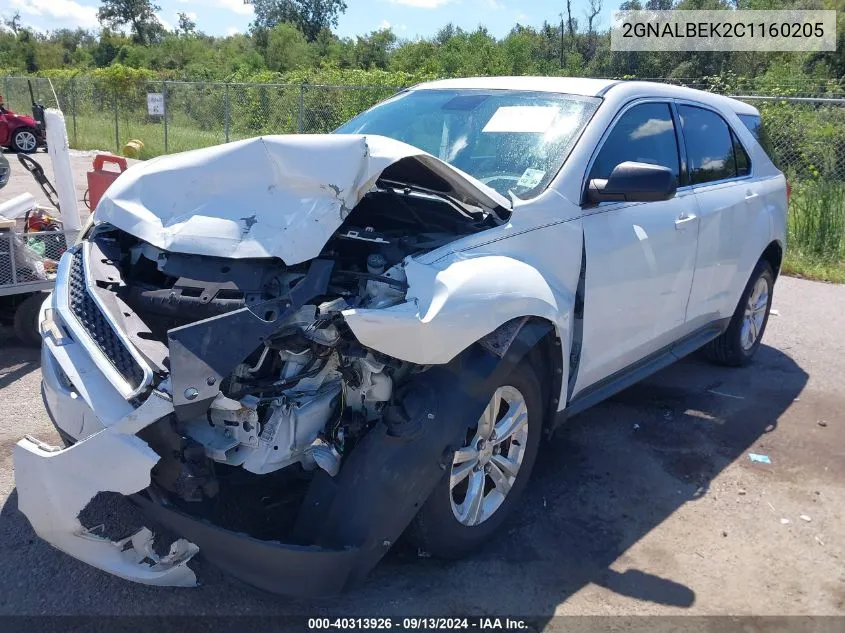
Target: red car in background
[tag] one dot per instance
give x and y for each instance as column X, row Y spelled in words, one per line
column 19, row 132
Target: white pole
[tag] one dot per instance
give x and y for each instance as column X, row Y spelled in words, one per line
column 57, row 147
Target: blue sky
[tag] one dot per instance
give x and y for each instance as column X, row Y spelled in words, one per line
column 408, row 18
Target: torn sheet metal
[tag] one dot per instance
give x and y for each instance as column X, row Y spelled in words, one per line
column 272, row 196
column 55, row 485
column 453, row 304
column 351, row 520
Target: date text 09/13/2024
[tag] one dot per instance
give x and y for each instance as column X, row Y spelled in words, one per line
column 418, row 623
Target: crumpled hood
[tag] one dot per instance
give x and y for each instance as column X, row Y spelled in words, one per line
column 271, row 196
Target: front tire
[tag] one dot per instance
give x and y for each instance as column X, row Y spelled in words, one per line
column 737, row 345
column 25, row 140
column 489, row 472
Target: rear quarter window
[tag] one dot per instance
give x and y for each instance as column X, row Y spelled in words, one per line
column 755, row 126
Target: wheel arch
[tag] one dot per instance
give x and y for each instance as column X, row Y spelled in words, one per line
column 773, row 253
column 537, row 341
column 547, row 354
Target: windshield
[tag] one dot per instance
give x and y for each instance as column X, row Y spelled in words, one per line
column 511, row 141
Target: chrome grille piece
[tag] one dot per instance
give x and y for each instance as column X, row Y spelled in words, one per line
column 94, row 322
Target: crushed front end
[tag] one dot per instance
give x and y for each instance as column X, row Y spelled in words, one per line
column 229, row 399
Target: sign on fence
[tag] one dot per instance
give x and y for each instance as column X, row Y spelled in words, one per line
column 155, row 104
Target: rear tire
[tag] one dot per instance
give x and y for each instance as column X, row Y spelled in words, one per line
column 437, row 529
column 26, row 320
column 25, row 140
column 737, row 345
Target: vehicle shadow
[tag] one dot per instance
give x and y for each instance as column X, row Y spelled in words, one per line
column 614, row 473
column 602, row 483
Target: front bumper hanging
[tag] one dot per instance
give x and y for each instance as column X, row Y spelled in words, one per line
column 55, row 485
column 352, row 519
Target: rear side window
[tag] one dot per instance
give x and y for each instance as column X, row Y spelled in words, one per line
column 645, row 134
column 710, row 146
column 743, row 163
column 755, row 126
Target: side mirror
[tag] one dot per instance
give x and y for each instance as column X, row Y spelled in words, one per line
column 633, row 182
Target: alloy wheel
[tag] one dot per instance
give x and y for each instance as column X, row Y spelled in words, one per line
column 26, row 141
column 485, row 468
column 755, row 314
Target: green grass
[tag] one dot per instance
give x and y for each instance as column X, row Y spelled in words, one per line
column 816, row 239
column 798, row 264
column 98, row 132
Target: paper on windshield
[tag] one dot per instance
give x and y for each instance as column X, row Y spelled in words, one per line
column 531, row 178
column 526, row 119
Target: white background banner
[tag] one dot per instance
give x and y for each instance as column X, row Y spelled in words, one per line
column 723, row 31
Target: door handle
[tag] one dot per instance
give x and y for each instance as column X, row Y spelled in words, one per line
column 750, row 196
column 685, row 220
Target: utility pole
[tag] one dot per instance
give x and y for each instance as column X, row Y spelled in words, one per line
column 561, row 40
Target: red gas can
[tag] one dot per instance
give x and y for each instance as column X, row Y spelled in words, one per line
column 99, row 179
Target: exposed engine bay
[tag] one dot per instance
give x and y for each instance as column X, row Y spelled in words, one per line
column 217, row 352
column 296, row 389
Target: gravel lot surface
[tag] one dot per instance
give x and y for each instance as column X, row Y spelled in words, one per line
column 645, row 504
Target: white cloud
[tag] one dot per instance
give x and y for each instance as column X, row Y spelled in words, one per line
column 421, row 4
column 652, row 127
column 385, row 24
column 238, row 6
column 494, row 5
column 56, row 14
column 167, row 25
column 232, row 30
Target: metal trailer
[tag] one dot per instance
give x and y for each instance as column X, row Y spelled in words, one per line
column 27, row 273
column 28, row 259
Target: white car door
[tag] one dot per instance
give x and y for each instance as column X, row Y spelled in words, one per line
column 640, row 256
column 728, row 199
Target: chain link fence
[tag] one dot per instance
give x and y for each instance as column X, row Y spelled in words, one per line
column 803, row 119
column 193, row 114
column 806, row 133
column 805, row 136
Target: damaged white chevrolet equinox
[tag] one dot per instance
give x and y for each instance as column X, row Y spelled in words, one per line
column 289, row 350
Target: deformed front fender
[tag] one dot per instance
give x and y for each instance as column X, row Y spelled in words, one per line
column 454, row 303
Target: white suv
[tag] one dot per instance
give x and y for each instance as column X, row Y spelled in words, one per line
column 290, row 349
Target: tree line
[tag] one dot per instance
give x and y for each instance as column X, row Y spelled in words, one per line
column 297, row 37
